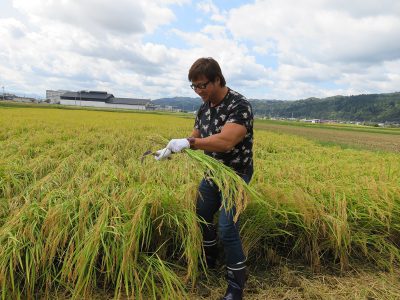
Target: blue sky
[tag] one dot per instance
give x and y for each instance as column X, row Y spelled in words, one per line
column 275, row 49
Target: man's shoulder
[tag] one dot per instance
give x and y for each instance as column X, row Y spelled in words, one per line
column 236, row 95
column 236, row 99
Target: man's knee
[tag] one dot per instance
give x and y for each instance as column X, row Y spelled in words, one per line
column 228, row 232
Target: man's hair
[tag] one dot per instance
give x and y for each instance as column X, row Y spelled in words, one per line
column 208, row 67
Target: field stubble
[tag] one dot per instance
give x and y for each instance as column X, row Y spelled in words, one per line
column 356, row 138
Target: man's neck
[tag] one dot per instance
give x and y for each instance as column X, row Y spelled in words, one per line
column 221, row 97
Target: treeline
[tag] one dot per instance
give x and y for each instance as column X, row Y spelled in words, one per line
column 370, row 107
column 365, row 107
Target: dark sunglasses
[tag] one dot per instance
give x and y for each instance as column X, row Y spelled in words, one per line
column 200, row 86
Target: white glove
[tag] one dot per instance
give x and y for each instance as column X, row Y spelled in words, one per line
column 177, row 145
column 162, row 154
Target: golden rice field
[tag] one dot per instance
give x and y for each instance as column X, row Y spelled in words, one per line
column 82, row 216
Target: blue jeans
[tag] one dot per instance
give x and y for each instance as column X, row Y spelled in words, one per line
column 208, row 203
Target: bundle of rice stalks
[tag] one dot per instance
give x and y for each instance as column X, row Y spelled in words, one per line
column 235, row 191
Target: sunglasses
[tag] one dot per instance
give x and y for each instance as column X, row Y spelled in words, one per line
column 200, row 86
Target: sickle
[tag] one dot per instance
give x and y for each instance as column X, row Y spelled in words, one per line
column 148, row 152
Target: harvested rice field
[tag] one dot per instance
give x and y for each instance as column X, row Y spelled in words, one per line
column 358, row 137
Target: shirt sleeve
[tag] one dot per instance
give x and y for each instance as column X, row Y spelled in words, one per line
column 241, row 114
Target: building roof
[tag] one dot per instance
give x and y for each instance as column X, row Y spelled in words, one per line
column 129, row 101
column 87, row 96
column 102, row 97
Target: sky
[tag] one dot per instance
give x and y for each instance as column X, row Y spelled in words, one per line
column 271, row 49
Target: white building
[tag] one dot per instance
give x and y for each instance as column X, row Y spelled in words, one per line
column 102, row 99
column 54, row 96
column 312, row 121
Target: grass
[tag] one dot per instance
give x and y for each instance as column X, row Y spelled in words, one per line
column 13, row 105
column 381, row 139
column 332, row 126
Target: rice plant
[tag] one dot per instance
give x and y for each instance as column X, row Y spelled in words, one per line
column 80, row 212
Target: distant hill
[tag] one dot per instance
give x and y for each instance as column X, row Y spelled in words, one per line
column 365, row 107
column 185, row 103
column 370, row 107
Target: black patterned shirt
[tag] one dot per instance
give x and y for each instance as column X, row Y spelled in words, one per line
column 234, row 108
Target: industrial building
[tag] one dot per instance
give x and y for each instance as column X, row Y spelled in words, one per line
column 54, row 96
column 96, row 99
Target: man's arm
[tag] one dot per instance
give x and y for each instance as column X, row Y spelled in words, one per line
column 230, row 135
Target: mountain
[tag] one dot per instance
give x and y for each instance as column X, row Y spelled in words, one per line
column 365, row 107
column 23, row 94
column 184, row 103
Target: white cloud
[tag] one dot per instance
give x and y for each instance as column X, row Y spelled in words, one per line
column 83, row 44
column 209, row 8
column 267, row 49
column 99, row 17
column 364, row 8
column 318, row 40
column 315, row 31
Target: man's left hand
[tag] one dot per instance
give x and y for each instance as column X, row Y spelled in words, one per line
column 177, row 145
column 162, row 154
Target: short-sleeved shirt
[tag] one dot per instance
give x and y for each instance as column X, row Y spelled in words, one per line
column 234, row 108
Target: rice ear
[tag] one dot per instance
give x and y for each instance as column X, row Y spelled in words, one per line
column 235, row 191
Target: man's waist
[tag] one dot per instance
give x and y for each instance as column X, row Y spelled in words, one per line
column 241, row 167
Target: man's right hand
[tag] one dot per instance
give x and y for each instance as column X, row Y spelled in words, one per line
column 162, row 154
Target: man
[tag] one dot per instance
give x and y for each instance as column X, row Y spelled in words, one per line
column 224, row 130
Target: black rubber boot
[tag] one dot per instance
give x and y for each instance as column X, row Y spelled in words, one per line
column 236, row 278
column 211, row 253
column 211, row 256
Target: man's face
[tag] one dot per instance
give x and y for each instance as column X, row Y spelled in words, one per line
column 204, row 88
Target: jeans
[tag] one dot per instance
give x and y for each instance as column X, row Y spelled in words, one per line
column 208, row 203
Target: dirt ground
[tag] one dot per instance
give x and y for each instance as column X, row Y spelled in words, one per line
column 290, row 281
